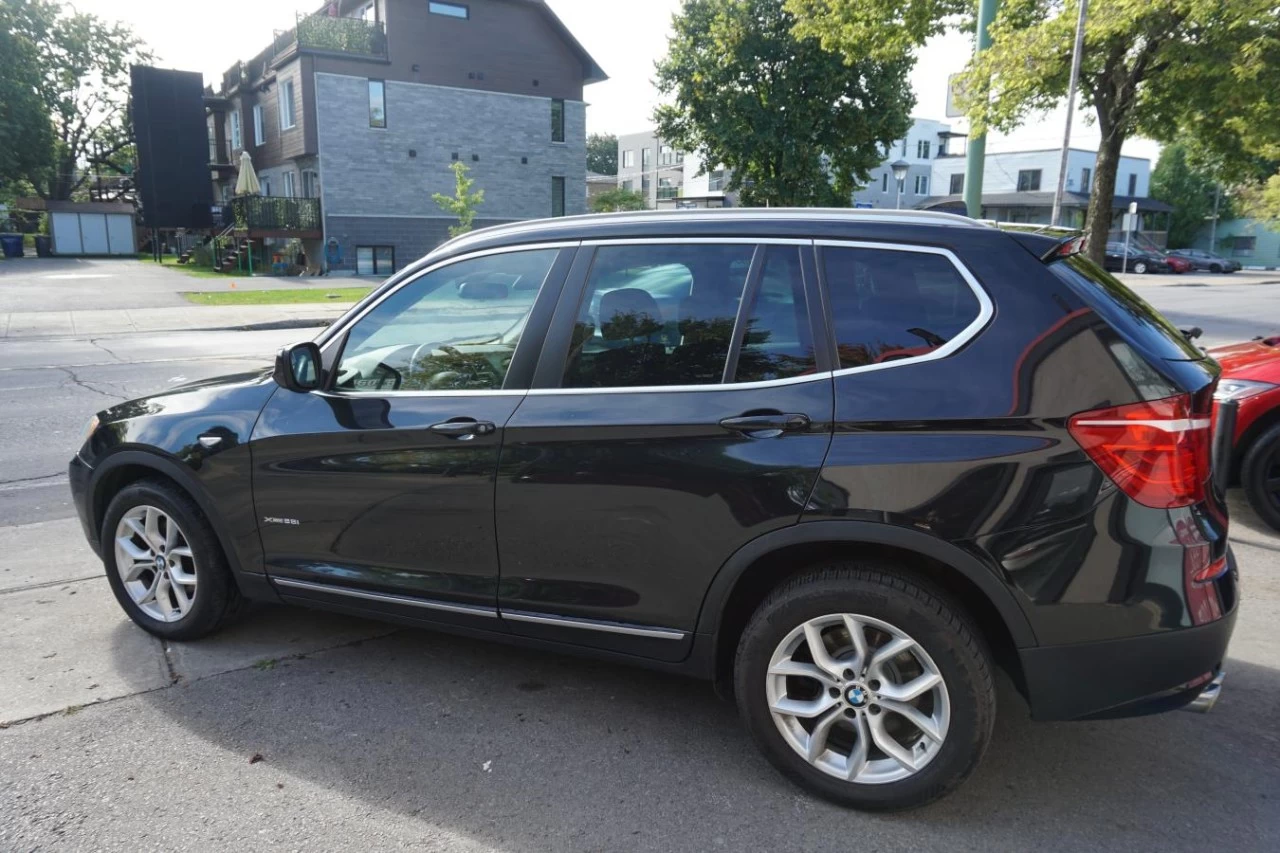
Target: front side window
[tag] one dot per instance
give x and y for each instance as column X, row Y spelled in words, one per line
column 557, row 120
column 288, row 117
column 259, row 135
column 657, row 315
column 377, row 103
column 888, row 304
column 453, row 329
column 1028, row 180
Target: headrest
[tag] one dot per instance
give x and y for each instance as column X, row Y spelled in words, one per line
column 482, row 290
column 629, row 313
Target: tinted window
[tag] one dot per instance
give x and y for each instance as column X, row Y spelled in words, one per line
column 452, row 329
column 888, row 305
column 657, row 315
column 778, row 343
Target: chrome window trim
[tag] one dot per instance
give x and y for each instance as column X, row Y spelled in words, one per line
column 387, row 598
column 697, row 241
column 986, row 309
column 669, row 389
column 593, row 625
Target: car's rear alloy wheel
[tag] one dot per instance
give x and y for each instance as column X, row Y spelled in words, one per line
column 156, row 564
column 866, row 684
column 1140, row 268
column 858, row 698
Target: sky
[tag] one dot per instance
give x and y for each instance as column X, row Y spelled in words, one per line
column 199, row 37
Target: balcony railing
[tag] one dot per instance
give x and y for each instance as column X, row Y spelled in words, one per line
column 322, row 32
column 269, row 213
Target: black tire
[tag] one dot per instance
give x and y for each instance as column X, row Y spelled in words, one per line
column 1262, row 464
column 1216, row 268
column 217, row 600
column 926, row 614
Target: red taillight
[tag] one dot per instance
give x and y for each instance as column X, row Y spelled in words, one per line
column 1156, row 452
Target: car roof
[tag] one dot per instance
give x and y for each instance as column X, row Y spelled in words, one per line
column 801, row 223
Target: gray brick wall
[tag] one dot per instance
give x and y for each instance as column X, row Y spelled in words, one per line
column 412, row 237
column 367, row 170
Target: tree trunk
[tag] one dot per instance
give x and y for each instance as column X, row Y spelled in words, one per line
column 1102, row 195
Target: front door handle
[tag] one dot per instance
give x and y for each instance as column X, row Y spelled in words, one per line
column 771, row 423
column 464, row 428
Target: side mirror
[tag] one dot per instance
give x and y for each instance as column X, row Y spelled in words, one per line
column 298, row 367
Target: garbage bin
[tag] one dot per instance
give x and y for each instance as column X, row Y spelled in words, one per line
column 12, row 245
column 44, row 246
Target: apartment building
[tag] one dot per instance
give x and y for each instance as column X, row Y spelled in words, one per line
column 354, row 116
column 650, row 166
column 925, row 142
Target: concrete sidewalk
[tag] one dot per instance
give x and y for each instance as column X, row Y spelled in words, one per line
column 126, row 321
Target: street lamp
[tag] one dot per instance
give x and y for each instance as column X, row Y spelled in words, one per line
column 900, row 169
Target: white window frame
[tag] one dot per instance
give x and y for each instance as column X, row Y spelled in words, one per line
column 922, row 149
column 922, row 181
column 259, row 129
column 629, row 159
column 290, row 184
column 237, row 139
column 310, row 183
column 287, row 105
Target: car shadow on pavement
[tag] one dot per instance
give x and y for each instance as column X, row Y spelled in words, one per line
column 527, row 751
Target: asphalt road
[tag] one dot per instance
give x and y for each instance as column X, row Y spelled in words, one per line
column 372, row 737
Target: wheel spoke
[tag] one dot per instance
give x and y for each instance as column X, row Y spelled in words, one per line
column 149, row 596
column 162, row 597
column 857, row 759
column 818, row 649
column 154, row 538
column 135, row 571
column 818, row 737
column 913, row 689
column 797, row 669
column 804, row 709
column 181, row 576
column 891, row 650
column 914, row 716
column 133, row 551
column 136, row 526
column 888, row 745
column 170, row 534
column 181, row 597
column 181, row 551
column 859, row 639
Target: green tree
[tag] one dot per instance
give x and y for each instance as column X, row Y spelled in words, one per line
column 1201, row 71
column 884, row 29
column 26, row 136
column 799, row 125
column 1261, row 200
column 83, row 64
column 1190, row 190
column 463, row 202
column 602, row 154
column 618, row 199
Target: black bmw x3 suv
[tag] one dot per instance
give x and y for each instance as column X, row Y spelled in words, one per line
column 843, row 464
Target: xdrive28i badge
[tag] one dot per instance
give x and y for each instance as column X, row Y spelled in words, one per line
column 271, row 519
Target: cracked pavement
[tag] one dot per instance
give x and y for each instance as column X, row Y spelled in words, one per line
column 304, row 730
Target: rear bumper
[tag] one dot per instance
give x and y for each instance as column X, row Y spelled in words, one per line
column 1130, row 677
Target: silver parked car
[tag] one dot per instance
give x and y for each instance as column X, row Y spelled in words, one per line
column 1202, row 260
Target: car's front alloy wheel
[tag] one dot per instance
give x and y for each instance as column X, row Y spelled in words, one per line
column 155, row 562
column 858, row 698
column 1140, row 268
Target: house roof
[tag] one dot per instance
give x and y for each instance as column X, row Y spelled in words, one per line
column 1043, row 199
column 591, row 70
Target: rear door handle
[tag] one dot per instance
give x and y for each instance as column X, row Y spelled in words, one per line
column 778, row 423
column 464, row 428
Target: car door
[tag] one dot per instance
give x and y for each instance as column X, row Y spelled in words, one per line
column 377, row 492
column 681, row 408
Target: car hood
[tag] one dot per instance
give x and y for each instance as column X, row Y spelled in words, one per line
column 173, row 421
column 1258, row 360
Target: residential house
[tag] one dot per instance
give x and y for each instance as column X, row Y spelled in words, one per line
column 356, row 114
column 650, row 166
column 1252, row 242
column 925, row 142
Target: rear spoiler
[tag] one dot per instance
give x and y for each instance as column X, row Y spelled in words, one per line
column 1048, row 247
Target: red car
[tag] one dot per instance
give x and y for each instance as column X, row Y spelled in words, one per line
column 1178, row 264
column 1251, row 377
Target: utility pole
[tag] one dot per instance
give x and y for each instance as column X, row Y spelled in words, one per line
column 1213, row 229
column 1071, row 112
column 975, row 161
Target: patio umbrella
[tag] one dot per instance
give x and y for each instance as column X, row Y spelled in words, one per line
column 247, row 181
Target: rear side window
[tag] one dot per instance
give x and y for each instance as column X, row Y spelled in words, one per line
column 1140, row 324
column 890, row 304
column 657, row 315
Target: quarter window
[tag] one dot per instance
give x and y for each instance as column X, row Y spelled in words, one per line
column 454, row 329
column 888, row 304
column 657, row 315
column 377, row 103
